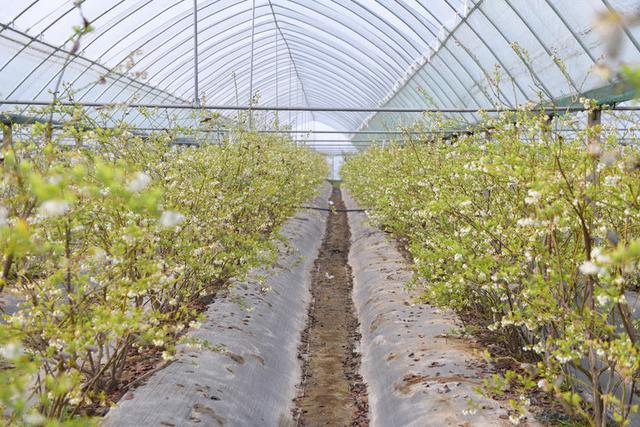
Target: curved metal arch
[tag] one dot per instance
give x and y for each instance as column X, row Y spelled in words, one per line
column 445, row 82
column 45, row 60
column 300, row 20
column 269, row 66
column 25, row 10
column 455, row 75
column 506, row 40
column 134, row 30
column 443, row 44
column 387, row 25
column 268, row 80
column 88, row 67
column 262, row 85
column 339, row 37
column 225, row 67
column 418, row 77
column 321, row 95
column 78, row 58
column 175, row 22
column 346, row 25
column 586, row 50
column 301, row 34
column 539, row 40
column 478, row 6
column 625, row 27
column 419, row 18
column 26, row 46
column 183, row 41
column 365, row 87
column 316, row 40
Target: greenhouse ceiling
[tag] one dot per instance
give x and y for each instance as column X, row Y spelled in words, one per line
column 327, row 54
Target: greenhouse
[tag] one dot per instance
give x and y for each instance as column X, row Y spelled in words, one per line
column 320, row 213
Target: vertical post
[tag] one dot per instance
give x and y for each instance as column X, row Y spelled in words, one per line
column 333, row 167
column 277, row 79
column 548, row 122
column 7, row 135
column 253, row 37
column 290, row 70
column 594, row 118
column 196, row 77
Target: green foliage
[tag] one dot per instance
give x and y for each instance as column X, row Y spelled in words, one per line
column 537, row 235
column 110, row 244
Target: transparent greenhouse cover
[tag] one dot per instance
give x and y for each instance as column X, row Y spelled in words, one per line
column 309, row 53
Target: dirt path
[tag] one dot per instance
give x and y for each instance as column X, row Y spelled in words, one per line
column 332, row 392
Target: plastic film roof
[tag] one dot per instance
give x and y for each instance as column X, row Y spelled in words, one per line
column 306, row 52
column 506, row 53
column 320, row 53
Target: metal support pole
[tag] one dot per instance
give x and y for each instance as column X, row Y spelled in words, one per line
column 253, row 37
column 594, row 118
column 7, row 134
column 333, row 167
column 290, row 71
column 196, row 77
column 277, row 124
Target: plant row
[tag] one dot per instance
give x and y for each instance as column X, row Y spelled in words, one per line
column 534, row 235
column 112, row 245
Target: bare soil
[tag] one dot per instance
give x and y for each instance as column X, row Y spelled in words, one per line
column 332, row 392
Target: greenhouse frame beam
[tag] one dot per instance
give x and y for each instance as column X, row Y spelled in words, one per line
column 455, row 57
column 539, row 40
column 625, row 27
column 567, row 109
column 94, row 63
column 196, row 77
column 181, row 42
column 297, row 19
column 464, row 20
column 87, row 67
column 573, row 33
column 42, row 63
column 397, row 92
column 300, row 32
column 293, row 63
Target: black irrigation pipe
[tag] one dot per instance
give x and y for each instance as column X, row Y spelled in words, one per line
column 315, row 208
column 548, row 110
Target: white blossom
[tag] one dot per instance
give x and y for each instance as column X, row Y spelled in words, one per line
column 563, row 359
column 170, row 219
column 139, row 182
column 533, row 197
column 34, row 418
column 523, row 222
column 11, row 351
column 194, row 324
column 4, row 216
column 515, row 419
column 596, row 253
column 52, row 208
column 603, row 299
column 588, row 268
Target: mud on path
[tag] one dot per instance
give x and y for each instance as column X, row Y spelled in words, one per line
column 332, row 392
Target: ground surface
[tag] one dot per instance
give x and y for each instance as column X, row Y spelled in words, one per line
column 332, row 392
